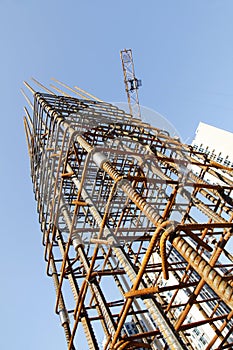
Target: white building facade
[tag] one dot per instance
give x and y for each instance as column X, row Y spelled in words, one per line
column 216, row 143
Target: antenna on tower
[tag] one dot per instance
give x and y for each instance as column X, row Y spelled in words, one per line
column 131, row 83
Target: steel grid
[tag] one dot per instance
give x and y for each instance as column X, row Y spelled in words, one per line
column 133, row 231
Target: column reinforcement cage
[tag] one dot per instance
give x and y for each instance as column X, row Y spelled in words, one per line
column 133, row 231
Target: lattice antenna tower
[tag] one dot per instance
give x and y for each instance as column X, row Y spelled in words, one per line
column 131, row 82
column 135, row 236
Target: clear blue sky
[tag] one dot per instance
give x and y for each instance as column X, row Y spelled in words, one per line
column 183, row 53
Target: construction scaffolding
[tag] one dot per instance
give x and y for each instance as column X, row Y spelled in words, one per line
column 133, row 229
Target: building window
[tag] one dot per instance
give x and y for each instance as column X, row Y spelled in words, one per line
column 227, row 162
column 203, row 340
column 201, row 149
column 219, row 158
column 196, row 331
